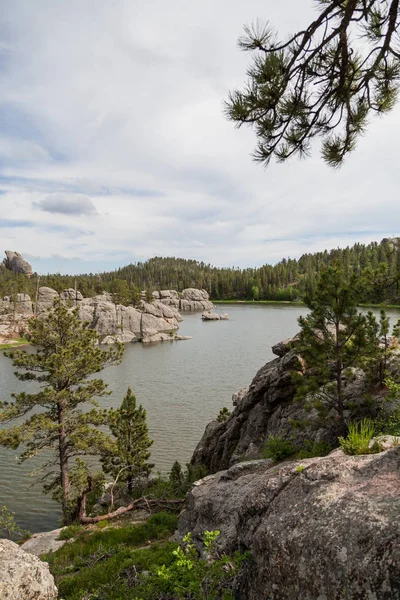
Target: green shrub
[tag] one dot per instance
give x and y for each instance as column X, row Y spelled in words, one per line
column 70, row 532
column 9, row 528
column 278, row 448
column 107, row 566
column 223, row 415
column 310, row 449
column 359, row 437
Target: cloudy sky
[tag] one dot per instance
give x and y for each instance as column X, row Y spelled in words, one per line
column 114, row 147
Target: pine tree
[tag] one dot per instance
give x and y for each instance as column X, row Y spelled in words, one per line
column 52, row 417
column 319, row 82
column 128, row 425
column 332, row 339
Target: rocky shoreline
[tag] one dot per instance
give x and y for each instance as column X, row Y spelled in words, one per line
column 149, row 322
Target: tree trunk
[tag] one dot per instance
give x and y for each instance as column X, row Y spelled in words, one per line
column 64, row 471
column 339, row 371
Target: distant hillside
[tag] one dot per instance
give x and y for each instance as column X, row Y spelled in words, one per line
column 287, row 280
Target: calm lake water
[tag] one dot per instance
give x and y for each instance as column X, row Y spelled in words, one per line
column 182, row 385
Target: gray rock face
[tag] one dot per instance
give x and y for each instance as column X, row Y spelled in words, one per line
column 124, row 338
column 71, row 295
column 327, row 530
column 212, row 316
column 21, row 304
column 112, row 322
column 267, row 408
column 23, row 576
column 46, row 298
column 41, row 543
column 16, row 263
column 193, row 299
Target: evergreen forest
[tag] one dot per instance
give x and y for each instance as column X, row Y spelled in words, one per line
column 376, row 265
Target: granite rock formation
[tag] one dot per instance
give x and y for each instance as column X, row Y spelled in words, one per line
column 193, row 299
column 317, row 529
column 16, row 263
column 213, row 316
column 267, row 408
column 23, row 576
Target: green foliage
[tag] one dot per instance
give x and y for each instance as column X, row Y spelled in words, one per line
column 177, row 478
column 121, row 293
column 71, row 531
column 300, row 468
column 9, row 528
column 318, row 83
column 223, row 415
column 359, row 437
column 180, row 481
column 310, row 449
column 389, row 420
column 376, row 265
column 199, row 579
column 51, row 418
column 148, row 295
column 278, row 448
column 334, row 336
column 127, row 459
column 101, row 563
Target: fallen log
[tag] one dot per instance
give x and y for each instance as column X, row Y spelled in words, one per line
column 139, row 503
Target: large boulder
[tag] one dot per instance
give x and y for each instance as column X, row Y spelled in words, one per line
column 20, row 304
column 45, row 299
column 317, row 529
column 149, row 321
column 71, row 295
column 101, row 316
column 16, row 263
column 130, row 319
column 168, row 297
column 194, row 299
column 23, row 576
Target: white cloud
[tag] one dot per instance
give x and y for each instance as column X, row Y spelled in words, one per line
column 117, row 108
column 66, row 204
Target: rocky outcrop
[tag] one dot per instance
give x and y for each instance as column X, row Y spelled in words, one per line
column 16, row 263
column 20, row 304
column 212, row 316
column 167, row 297
column 41, row 543
column 113, row 322
column 266, row 409
column 152, row 336
column 317, row 529
column 45, row 299
column 193, row 299
column 23, row 576
column 71, row 295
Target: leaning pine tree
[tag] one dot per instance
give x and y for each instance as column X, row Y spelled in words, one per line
column 128, row 425
column 51, row 417
column 333, row 338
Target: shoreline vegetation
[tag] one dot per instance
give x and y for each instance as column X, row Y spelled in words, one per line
column 298, row 303
column 18, row 342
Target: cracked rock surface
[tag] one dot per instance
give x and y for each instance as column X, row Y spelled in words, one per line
column 325, row 528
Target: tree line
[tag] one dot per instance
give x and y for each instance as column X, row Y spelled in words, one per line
column 290, row 279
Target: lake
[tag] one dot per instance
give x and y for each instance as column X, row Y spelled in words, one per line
column 182, row 385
